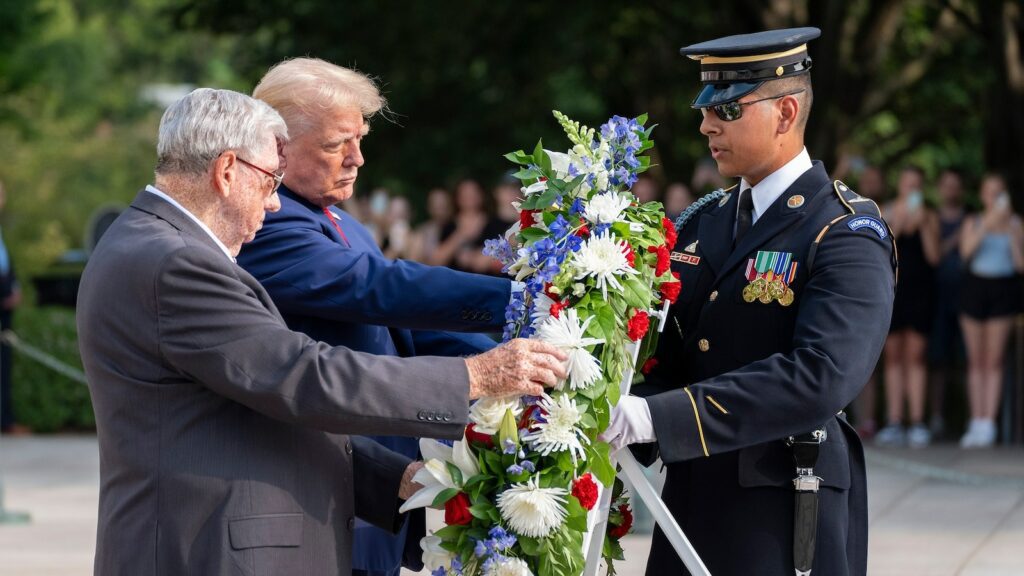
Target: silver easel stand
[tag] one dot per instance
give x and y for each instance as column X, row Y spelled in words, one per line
column 631, row 470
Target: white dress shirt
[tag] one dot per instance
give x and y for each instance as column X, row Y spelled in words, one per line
column 768, row 190
column 173, row 202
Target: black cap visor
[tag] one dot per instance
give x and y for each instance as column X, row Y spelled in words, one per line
column 715, row 94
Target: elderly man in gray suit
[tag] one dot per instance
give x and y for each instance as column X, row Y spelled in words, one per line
column 223, row 446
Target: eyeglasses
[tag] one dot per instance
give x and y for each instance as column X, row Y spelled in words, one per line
column 732, row 111
column 276, row 177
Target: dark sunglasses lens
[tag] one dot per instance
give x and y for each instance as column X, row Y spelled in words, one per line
column 729, row 111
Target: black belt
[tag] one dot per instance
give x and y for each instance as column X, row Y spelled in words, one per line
column 805, row 509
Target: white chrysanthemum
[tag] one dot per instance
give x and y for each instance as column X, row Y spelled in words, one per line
column 606, row 208
column 487, row 413
column 567, row 333
column 434, row 556
column 509, row 567
column 542, row 309
column 559, row 432
column 603, row 258
column 434, row 476
column 533, row 511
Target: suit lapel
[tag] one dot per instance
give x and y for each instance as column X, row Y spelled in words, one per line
column 714, row 231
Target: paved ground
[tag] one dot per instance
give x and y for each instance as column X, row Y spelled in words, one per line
column 933, row 512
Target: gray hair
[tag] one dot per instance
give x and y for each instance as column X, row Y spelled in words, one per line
column 301, row 89
column 204, row 124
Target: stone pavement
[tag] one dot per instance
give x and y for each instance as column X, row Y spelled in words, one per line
column 936, row 512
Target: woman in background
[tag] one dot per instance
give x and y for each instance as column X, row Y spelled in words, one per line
column 915, row 227
column 991, row 245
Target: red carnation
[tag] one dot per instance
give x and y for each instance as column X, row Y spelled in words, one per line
column 670, row 290
column 456, row 510
column 557, row 307
column 630, row 256
column 585, row 491
column 638, row 325
column 583, row 230
column 627, row 523
column 670, row 232
column 526, row 219
column 649, row 365
column 473, row 436
column 663, row 259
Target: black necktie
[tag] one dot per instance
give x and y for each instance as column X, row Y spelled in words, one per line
column 745, row 216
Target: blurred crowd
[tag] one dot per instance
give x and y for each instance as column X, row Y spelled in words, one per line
column 458, row 221
column 961, row 252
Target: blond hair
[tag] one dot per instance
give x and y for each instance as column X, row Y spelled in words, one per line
column 302, row 89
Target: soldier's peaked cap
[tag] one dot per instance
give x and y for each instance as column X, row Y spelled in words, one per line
column 735, row 66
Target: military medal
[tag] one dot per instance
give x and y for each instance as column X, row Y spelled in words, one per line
column 769, row 275
column 787, row 297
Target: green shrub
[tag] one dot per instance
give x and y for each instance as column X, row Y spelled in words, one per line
column 44, row 399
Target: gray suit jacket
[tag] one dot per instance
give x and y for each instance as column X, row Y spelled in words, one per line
column 222, row 432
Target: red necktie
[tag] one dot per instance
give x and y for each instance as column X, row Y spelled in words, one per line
column 331, row 217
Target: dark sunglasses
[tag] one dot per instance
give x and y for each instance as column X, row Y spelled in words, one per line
column 276, row 177
column 732, row 111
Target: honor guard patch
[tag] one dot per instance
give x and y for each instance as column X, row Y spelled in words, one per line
column 869, row 222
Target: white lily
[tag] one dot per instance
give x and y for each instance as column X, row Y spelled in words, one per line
column 539, row 186
column 434, row 475
column 434, row 556
column 559, row 163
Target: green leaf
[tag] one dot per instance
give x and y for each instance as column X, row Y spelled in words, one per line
column 529, row 545
column 642, row 119
column 637, row 295
column 516, row 157
column 533, row 234
column 455, row 473
column 444, row 496
column 541, row 158
column 481, row 511
column 450, row 533
column 600, row 464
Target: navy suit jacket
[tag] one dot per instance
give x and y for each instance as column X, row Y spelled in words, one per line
column 337, row 287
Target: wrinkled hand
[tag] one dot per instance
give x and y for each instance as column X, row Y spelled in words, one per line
column 631, row 423
column 408, row 487
column 515, row 368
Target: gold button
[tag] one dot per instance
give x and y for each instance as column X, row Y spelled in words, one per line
column 714, row 296
column 704, row 345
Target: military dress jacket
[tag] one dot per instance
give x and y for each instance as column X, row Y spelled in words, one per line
column 735, row 378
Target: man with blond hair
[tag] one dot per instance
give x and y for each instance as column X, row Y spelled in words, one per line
column 329, row 278
column 222, row 433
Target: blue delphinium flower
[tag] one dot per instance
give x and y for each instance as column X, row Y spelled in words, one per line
column 528, row 466
column 514, row 470
column 509, row 446
column 577, row 207
column 500, row 250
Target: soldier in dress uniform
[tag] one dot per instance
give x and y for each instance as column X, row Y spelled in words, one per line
column 787, row 288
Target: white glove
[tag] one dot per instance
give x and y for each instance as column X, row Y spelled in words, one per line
column 631, row 423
